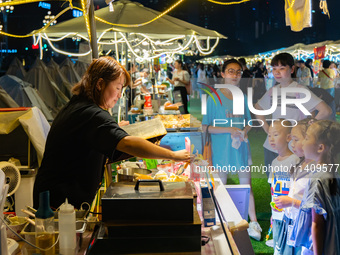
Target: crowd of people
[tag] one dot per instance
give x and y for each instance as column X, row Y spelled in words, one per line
column 188, row 78
column 305, row 184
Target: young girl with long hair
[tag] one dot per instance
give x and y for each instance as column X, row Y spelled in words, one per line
column 298, row 184
column 317, row 226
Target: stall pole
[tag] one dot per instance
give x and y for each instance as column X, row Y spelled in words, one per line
column 94, row 45
column 126, row 67
column 116, row 47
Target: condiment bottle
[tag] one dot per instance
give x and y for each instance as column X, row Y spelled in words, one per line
column 67, row 229
column 148, row 105
column 44, row 225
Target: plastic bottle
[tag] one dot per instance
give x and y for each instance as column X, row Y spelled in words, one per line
column 44, row 225
column 67, row 229
column 148, row 105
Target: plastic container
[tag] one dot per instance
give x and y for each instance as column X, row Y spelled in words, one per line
column 67, row 229
column 44, row 225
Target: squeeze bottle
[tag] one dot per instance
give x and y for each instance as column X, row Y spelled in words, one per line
column 67, row 229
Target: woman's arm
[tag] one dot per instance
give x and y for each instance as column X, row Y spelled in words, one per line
column 246, row 130
column 169, row 80
column 318, row 228
column 140, row 147
column 324, row 111
column 286, row 201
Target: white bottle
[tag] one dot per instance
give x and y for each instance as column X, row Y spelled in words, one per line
column 67, row 229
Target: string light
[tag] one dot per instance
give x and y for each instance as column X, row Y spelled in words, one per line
column 39, row 30
column 228, row 3
column 145, row 55
column 63, row 37
column 64, row 52
column 41, row 49
column 157, row 55
column 207, row 52
column 86, row 18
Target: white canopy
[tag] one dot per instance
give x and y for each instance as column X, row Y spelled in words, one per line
column 126, row 12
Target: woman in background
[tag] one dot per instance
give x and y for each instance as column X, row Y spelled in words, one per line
column 181, row 79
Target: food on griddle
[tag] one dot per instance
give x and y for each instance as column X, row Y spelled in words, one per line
column 137, row 176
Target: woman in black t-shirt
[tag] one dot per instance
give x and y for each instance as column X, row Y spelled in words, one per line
column 84, row 135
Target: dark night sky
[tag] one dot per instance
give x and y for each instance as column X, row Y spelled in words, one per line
column 236, row 22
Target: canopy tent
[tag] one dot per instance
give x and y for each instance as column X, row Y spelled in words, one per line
column 127, row 12
column 67, row 69
column 39, row 77
column 299, row 51
column 165, row 35
column 80, row 67
column 24, row 94
column 5, row 100
column 59, row 78
column 16, row 68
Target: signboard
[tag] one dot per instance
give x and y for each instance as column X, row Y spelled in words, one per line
column 77, row 13
column 162, row 59
column 319, row 52
column 45, row 5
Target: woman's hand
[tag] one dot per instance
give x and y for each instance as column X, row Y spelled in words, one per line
column 123, row 123
column 283, row 201
column 182, row 155
column 169, row 80
column 176, row 79
column 236, row 132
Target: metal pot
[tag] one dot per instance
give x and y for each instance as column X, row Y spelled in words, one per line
column 126, row 174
